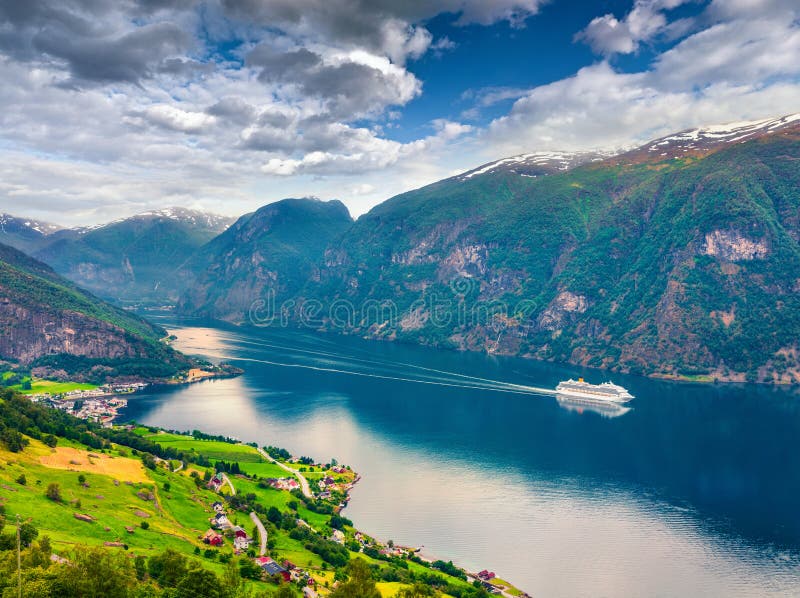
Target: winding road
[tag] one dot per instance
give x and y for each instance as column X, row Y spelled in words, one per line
column 303, row 481
column 262, row 533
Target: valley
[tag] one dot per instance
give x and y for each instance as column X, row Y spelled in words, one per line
column 676, row 259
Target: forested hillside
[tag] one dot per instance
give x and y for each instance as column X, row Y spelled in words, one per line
column 680, row 258
column 47, row 321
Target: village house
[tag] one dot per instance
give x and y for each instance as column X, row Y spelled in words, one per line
column 213, row 538
column 338, row 536
column 220, row 521
column 214, row 483
column 241, row 541
column 284, row 483
column 272, row 568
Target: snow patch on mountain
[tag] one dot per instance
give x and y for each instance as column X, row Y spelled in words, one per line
column 706, row 138
column 537, row 163
column 9, row 223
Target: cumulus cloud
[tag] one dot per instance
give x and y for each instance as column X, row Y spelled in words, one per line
column 176, row 119
column 608, row 35
column 106, row 102
column 386, row 27
column 742, row 66
column 89, row 40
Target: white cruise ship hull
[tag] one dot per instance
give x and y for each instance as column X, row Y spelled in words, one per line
column 595, row 399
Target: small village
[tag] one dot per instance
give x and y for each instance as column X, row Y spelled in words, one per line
column 333, row 487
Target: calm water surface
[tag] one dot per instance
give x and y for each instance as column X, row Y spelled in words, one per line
column 694, row 492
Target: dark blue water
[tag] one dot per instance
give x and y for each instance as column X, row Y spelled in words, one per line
column 695, row 491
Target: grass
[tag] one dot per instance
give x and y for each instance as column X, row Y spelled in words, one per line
column 264, row 470
column 52, row 387
column 389, row 588
column 41, row 386
column 213, row 449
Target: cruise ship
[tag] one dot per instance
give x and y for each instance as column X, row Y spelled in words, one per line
column 593, row 393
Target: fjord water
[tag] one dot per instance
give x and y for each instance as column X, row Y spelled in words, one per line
column 694, row 492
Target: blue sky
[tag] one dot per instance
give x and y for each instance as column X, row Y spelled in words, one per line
column 116, row 107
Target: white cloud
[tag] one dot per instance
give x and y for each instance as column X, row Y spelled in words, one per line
column 607, row 35
column 308, row 114
column 177, row 119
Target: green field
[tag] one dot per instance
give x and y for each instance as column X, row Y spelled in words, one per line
column 40, row 386
column 213, row 449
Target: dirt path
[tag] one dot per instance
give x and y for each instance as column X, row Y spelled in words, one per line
column 227, row 480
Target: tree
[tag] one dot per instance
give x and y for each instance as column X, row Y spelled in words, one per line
column 81, row 478
column 200, row 583
column 50, row 440
column 285, row 591
column 274, row 515
column 418, row 590
column 14, row 440
column 360, row 585
column 168, row 568
column 249, row 569
column 27, row 534
column 140, row 566
column 95, row 572
column 144, row 525
column 53, row 492
column 22, row 480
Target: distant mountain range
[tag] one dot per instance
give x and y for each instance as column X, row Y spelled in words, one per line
column 677, row 258
column 134, row 259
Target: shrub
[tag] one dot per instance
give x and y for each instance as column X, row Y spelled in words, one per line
column 53, row 492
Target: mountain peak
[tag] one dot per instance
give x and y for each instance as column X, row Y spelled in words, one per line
column 702, row 140
column 537, row 163
column 199, row 218
column 9, row 222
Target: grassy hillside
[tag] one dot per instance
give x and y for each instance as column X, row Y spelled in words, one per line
column 143, row 493
column 32, row 283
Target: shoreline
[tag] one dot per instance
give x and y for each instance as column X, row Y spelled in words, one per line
column 710, row 378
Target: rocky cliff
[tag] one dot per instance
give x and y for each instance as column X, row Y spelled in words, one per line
column 42, row 314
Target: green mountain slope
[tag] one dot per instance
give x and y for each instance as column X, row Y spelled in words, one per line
column 135, row 259
column 276, row 249
column 47, row 318
column 665, row 266
column 682, row 262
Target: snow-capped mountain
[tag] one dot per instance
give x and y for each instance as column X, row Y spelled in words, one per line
column 194, row 218
column 25, row 234
column 9, row 223
column 705, row 139
column 700, row 140
column 537, row 163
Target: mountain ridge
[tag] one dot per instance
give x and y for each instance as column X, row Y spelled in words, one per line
column 668, row 266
